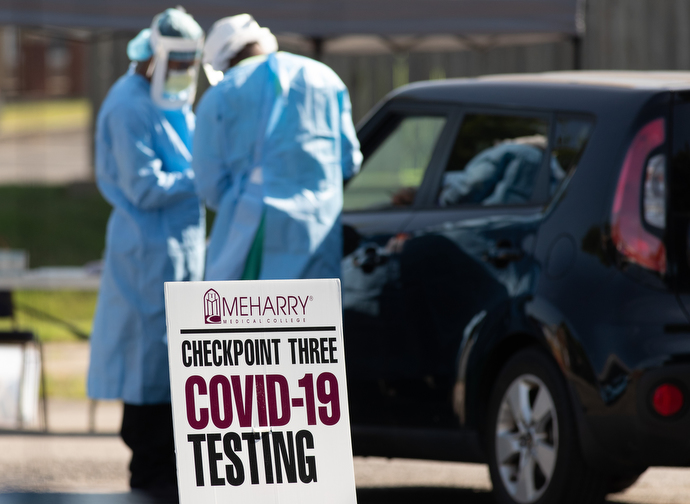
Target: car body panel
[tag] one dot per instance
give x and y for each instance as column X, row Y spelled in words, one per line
column 448, row 317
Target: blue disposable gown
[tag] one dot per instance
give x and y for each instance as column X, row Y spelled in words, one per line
column 291, row 116
column 155, row 234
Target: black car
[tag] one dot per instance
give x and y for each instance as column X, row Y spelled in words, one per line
column 516, row 282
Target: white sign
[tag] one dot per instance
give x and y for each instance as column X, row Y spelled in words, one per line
column 259, row 396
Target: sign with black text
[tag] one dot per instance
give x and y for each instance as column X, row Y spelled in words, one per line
column 259, row 395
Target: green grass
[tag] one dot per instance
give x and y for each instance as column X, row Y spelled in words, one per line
column 66, row 387
column 59, row 226
column 76, row 308
column 45, row 116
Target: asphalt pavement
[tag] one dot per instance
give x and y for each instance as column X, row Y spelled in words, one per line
column 92, row 468
column 72, row 465
column 82, row 460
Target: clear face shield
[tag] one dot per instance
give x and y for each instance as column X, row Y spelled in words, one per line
column 175, row 71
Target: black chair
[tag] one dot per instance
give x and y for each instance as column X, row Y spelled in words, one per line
column 25, row 340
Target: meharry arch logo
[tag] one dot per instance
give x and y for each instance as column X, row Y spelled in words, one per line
column 211, row 307
column 255, row 309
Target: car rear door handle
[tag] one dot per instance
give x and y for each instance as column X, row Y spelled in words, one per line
column 369, row 259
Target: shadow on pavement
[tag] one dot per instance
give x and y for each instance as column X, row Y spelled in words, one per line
column 419, row 495
column 400, row 495
column 424, row 495
column 72, row 498
column 403, row 495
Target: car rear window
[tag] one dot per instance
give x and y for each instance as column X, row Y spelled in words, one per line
column 391, row 175
column 495, row 160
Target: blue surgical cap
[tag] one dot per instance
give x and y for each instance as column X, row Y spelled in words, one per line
column 170, row 23
column 139, row 48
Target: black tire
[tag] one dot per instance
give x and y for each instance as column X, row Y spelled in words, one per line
column 540, row 461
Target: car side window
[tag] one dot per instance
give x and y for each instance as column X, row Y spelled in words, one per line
column 391, row 175
column 495, row 160
column 572, row 134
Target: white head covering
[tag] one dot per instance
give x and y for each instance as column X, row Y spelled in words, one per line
column 229, row 35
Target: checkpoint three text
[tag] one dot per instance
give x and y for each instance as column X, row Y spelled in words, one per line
column 260, row 352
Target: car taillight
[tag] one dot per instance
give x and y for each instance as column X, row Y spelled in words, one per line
column 667, row 399
column 654, row 196
column 628, row 233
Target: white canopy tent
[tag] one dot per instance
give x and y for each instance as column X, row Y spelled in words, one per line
column 336, row 26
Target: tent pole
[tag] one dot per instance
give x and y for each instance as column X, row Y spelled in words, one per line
column 317, row 42
column 577, row 52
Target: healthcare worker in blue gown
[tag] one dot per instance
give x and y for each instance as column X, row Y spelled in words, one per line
column 155, row 234
column 274, row 142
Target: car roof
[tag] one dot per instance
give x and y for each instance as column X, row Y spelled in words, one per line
column 581, row 91
column 625, row 79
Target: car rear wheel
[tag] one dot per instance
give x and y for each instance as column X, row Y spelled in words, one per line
column 534, row 455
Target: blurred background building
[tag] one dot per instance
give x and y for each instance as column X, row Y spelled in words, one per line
column 58, row 58
column 40, row 63
column 66, row 54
